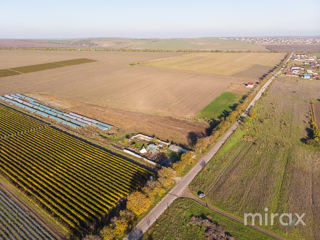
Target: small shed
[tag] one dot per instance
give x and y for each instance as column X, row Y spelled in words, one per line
column 177, row 149
column 306, row 76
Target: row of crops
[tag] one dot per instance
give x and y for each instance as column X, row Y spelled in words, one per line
column 16, row 223
column 13, row 122
column 75, row 181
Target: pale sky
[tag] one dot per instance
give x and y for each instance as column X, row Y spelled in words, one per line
column 157, row 19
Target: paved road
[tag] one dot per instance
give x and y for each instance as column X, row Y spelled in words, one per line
column 138, row 231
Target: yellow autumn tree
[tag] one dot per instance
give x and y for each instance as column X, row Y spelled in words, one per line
column 119, row 226
column 138, row 203
column 108, row 233
column 178, row 167
column 166, row 176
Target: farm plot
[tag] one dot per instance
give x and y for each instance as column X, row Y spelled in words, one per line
column 41, row 67
column 241, row 65
column 221, row 106
column 73, row 180
column 11, row 122
column 16, row 223
column 175, row 223
column 267, row 163
column 166, row 84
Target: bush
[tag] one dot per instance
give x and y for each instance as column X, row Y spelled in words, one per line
column 253, row 114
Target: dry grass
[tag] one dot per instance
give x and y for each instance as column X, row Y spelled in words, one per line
column 225, row 64
column 316, row 108
column 273, row 168
column 175, row 223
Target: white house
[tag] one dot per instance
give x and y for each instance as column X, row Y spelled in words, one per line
column 295, row 68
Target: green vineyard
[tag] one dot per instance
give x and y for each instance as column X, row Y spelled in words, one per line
column 73, row 180
column 13, row 122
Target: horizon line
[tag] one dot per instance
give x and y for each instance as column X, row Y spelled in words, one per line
column 172, row 38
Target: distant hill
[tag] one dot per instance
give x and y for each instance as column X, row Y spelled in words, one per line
column 222, row 44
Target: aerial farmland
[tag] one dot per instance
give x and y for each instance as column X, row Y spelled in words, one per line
column 124, row 83
column 268, row 163
column 123, row 80
column 68, row 177
column 49, row 98
column 159, row 120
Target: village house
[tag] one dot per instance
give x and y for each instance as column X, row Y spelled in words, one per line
column 250, row 84
column 295, row 68
column 177, row 149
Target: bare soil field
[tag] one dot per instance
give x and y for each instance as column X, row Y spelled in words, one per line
column 132, row 95
column 224, row 64
column 114, row 82
column 166, row 128
column 268, row 164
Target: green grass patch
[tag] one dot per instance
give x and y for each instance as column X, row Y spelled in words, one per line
column 222, row 105
column 234, row 140
column 44, row 66
column 175, row 223
column 7, row 72
column 315, row 54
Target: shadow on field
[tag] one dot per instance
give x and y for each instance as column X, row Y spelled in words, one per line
column 137, row 181
column 308, row 137
column 213, row 123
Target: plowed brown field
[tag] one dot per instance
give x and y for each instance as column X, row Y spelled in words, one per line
column 132, row 83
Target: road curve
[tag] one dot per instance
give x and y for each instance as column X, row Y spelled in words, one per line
column 138, row 231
